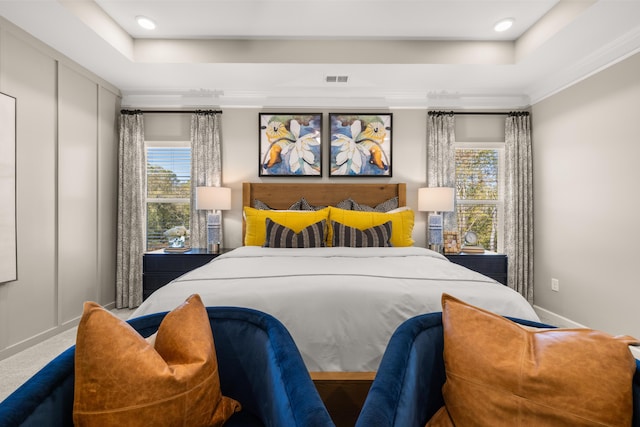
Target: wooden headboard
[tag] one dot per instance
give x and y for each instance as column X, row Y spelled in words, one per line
column 283, row 195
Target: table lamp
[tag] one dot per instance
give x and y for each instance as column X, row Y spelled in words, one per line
column 213, row 199
column 436, row 200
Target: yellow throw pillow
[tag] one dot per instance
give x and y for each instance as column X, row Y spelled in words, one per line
column 122, row 380
column 256, row 228
column 401, row 223
column 502, row 374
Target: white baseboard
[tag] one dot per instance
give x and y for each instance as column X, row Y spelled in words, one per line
column 554, row 319
column 551, row 318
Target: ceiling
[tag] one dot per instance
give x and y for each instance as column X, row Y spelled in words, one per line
column 278, row 53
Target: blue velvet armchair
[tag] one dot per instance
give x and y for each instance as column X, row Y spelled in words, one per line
column 259, row 365
column 407, row 389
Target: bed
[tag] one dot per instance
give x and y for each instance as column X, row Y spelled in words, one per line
column 340, row 304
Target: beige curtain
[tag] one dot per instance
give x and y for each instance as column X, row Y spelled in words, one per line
column 131, row 210
column 441, row 157
column 206, row 168
column 519, row 204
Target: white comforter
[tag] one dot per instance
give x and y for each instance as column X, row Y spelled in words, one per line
column 341, row 305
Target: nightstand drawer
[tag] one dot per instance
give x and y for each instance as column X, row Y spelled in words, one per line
column 159, row 267
column 490, row 264
column 154, row 281
column 174, row 262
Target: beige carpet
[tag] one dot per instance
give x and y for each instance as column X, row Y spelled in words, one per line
column 17, row 369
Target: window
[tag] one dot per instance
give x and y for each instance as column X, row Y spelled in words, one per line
column 168, row 189
column 480, row 192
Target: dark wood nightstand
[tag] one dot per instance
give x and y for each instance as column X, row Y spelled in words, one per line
column 490, row 264
column 160, row 267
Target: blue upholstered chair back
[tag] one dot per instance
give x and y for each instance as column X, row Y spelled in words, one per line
column 259, row 365
column 407, row 390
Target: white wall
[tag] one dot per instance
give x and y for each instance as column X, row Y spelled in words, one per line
column 586, row 200
column 240, row 157
column 66, row 161
column 240, row 154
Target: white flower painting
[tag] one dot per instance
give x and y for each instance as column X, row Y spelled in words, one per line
column 360, row 145
column 290, row 144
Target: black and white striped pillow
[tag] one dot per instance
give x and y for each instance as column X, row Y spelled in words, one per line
column 279, row 236
column 374, row 237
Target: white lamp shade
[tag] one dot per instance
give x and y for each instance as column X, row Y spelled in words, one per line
column 436, row 199
column 213, row 198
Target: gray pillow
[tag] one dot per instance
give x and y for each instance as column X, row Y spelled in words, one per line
column 304, row 205
column 352, row 205
column 258, row 204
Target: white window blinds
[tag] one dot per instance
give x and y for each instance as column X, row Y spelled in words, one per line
column 479, row 192
column 168, row 189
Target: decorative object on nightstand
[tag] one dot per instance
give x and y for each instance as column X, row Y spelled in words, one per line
column 472, row 249
column 451, row 242
column 214, row 199
column 177, row 236
column 470, row 245
column 436, row 200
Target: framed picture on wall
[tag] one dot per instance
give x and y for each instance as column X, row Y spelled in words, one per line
column 8, row 254
column 290, row 144
column 360, row 144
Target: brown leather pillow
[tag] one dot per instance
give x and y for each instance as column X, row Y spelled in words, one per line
column 121, row 379
column 502, row 374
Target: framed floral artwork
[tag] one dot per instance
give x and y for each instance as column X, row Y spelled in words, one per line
column 290, row 144
column 360, row 144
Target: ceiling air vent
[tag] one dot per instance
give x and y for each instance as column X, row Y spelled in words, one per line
column 336, row 79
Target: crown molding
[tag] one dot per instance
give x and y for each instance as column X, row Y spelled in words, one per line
column 607, row 55
column 321, row 99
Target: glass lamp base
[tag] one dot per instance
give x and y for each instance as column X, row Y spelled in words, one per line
column 436, row 247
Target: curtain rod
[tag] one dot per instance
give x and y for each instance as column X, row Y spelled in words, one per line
column 124, row 111
column 482, row 113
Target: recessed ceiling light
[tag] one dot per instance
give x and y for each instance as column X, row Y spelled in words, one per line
column 503, row 25
column 145, row 23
